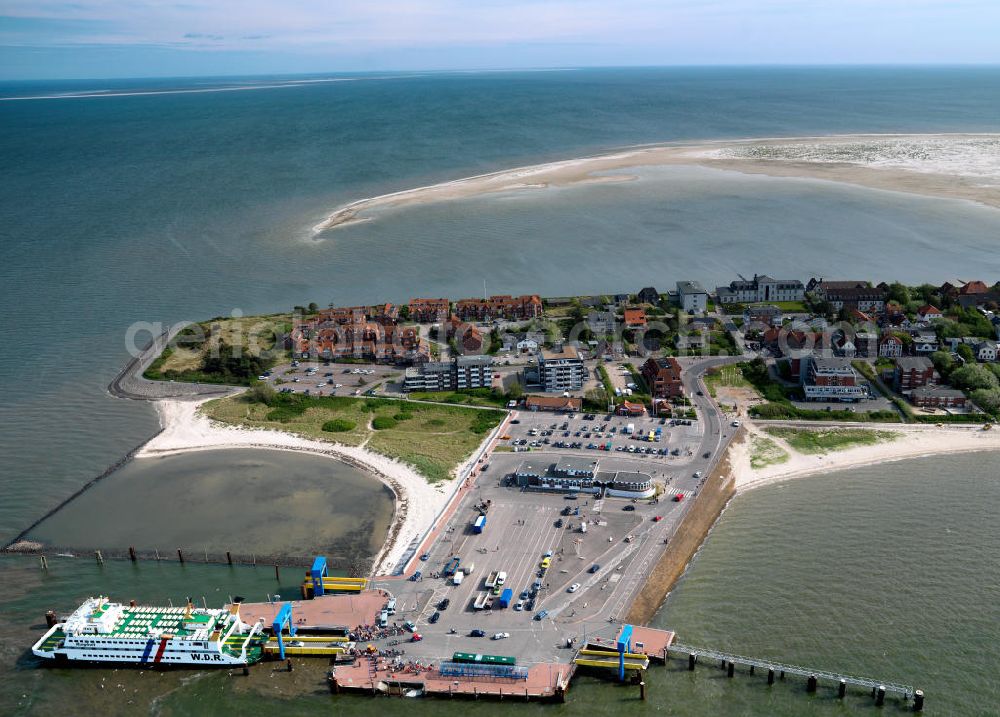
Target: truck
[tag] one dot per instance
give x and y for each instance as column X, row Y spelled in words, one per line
column 478, row 524
column 501, row 577
column 457, row 578
column 483, row 601
column 583, row 526
column 505, row 597
column 467, row 569
column 491, row 579
column 452, row 566
column 630, row 429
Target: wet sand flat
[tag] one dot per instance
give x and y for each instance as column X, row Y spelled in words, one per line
column 240, row 500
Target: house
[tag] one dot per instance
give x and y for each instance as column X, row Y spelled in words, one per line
column 529, row 342
column 430, row 376
column 429, row 311
column 358, row 332
column 765, row 315
column 631, row 409
column 985, row 351
column 761, row 288
column 865, row 344
column 553, row 403
column 512, row 308
column 648, row 295
column 473, row 372
column 820, row 287
column 468, row 339
column 929, row 313
column 635, row 318
column 938, row 397
column 663, row 376
column 974, row 287
column 602, row 323
column 831, row 379
column 692, row 296
column 843, row 345
column 890, row 346
column 860, row 298
column 913, row 372
column 925, row 342
column 561, row 370
column 621, row 299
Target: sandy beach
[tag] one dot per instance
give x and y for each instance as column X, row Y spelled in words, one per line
column 954, row 166
column 912, row 442
column 417, row 502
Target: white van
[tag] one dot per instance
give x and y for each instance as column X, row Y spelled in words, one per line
column 390, row 607
column 383, row 619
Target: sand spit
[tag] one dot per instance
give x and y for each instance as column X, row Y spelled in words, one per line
column 417, row 502
column 912, row 442
column 954, row 166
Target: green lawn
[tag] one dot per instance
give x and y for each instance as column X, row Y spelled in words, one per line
column 472, row 397
column 817, row 441
column 765, row 452
column 731, row 376
column 433, row 438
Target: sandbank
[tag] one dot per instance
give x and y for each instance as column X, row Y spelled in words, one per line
column 926, row 164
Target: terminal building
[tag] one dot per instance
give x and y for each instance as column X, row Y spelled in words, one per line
column 581, row 474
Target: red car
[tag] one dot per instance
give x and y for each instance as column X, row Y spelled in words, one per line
column 657, row 518
column 678, row 498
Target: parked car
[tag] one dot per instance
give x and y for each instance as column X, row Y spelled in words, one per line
column 541, row 614
column 657, row 518
column 629, row 507
column 594, row 568
column 434, row 618
column 500, row 636
column 425, row 557
column 573, row 588
column 477, row 633
column 443, row 605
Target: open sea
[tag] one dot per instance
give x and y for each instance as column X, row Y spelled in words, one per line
column 161, row 200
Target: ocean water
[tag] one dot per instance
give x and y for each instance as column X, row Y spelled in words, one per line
column 164, row 206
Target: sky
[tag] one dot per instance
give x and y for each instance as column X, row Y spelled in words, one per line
column 46, row 39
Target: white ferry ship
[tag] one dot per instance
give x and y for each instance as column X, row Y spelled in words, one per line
column 103, row 631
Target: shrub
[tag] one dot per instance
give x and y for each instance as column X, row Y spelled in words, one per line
column 339, row 425
column 383, row 423
column 402, row 417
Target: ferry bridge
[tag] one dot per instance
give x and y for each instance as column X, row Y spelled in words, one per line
column 879, row 688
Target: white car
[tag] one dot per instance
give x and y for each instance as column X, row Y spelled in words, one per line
column 697, row 474
column 500, row 635
column 573, row 588
column 735, row 424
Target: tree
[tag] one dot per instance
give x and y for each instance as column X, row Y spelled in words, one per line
column 987, row 399
column 262, row 393
column 966, row 353
column 974, row 377
column 899, row 293
column 943, row 362
column 404, row 312
column 515, row 391
column 313, row 307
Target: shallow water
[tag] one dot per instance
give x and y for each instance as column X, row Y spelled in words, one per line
column 244, row 501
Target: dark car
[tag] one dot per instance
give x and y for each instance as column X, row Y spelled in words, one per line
column 425, row 557
column 434, row 618
column 524, row 594
column 706, row 454
column 594, row 568
column 515, row 421
column 629, row 507
column 477, row 633
column 559, row 523
column 540, row 615
column 443, row 605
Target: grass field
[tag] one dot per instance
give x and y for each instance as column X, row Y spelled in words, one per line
column 765, row 452
column 472, row 397
column 816, row 441
column 432, row 438
column 731, row 376
column 241, row 347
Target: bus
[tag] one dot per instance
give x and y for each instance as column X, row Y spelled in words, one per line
column 469, row 657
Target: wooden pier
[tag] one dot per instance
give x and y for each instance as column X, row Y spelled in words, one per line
column 727, row 661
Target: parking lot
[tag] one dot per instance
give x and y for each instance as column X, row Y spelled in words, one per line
column 673, row 440
column 318, row 378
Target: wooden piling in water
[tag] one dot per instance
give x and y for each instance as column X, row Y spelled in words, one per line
column 277, row 575
column 731, row 669
column 229, row 558
column 880, row 696
column 770, row 677
column 44, row 562
column 642, row 690
column 842, row 689
column 180, row 556
column 692, row 658
column 50, row 618
column 811, row 683
column 918, row 701
column 131, row 553
column 100, row 558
